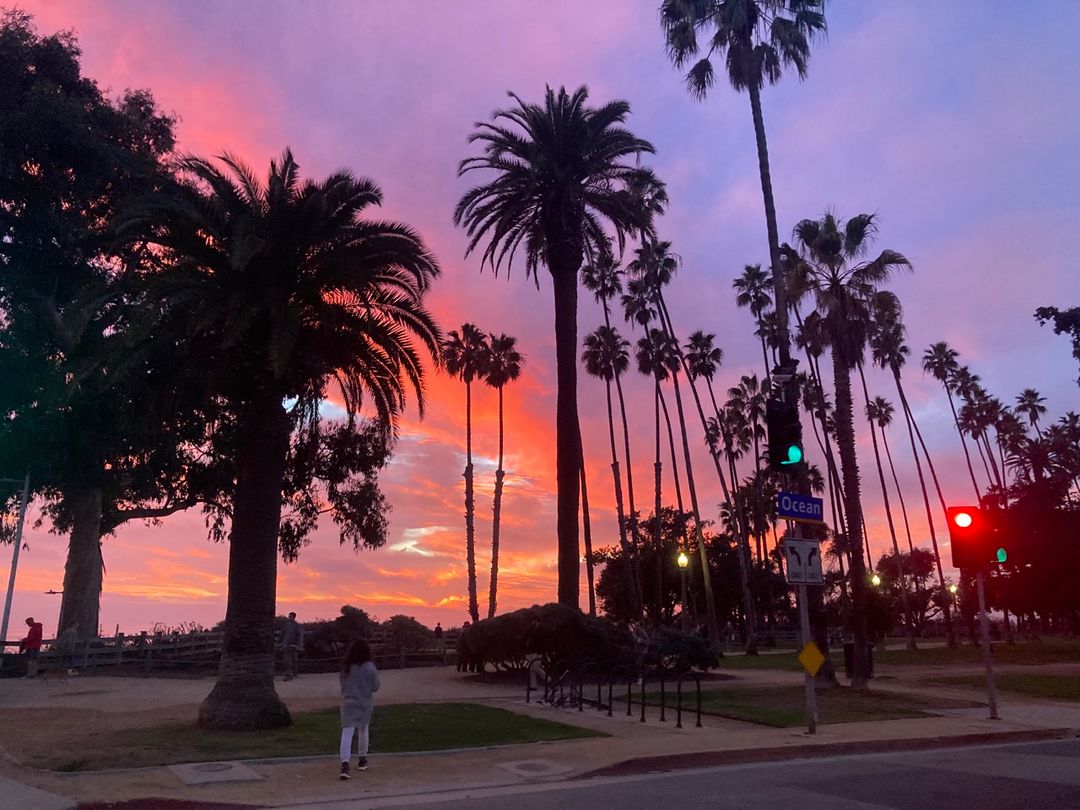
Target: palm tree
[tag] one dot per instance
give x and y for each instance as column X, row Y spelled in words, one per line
column 464, row 356
column 756, row 39
column 872, row 417
column 562, row 170
column 890, row 352
column 846, row 295
column 754, row 291
column 940, row 360
column 883, row 415
column 501, row 365
column 656, row 358
column 284, row 290
column 1030, row 403
column 607, row 356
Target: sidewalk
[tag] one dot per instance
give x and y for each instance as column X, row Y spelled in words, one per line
column 314, row 780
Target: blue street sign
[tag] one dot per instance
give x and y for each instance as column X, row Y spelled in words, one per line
column 792, row 506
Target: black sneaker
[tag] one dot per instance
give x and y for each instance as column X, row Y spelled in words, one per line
column 345, row 770
column 361, row 764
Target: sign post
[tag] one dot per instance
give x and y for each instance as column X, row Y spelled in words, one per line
column 988, row 656
column 803, row 566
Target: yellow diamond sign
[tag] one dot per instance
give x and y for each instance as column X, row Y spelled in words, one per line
column 811, row 658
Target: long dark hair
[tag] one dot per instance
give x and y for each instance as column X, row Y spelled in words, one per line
column 359, row 652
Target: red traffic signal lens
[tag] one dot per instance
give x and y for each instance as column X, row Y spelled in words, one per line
column 962, row 519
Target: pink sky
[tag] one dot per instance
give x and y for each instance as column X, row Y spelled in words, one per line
column 960, row 136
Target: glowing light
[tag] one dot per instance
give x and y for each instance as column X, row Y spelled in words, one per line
column 875, row 580
column 962, row 519
column 683, row 560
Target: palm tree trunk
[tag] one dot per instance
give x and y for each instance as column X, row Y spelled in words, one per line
column 908, row 630
column 779, row 288
column 586, row 527
column 658, row 523
column 496, row 514
column 567, row 446
column 635, row 529
column 946, row 613
column 710, row 601
column 81, row 599
column 845, row 439
column 671, row 453
column 624, row 545
column 764, row 356
column 470, row 525
column 899, row 491
column 963, row 443
column 243, row 698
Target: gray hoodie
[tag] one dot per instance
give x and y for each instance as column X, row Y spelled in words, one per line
column 358, row 688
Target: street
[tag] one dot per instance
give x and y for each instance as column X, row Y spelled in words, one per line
column 1029, row 775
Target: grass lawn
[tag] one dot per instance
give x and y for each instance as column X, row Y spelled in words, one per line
column 785, row 707
column 1049, row 651
column 1057, row 687
column 400, row 727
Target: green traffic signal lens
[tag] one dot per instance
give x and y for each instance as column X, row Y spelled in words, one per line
column 794, row 454
column 1002, row 555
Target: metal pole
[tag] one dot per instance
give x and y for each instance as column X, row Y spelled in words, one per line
column 685, row 613
column 14, row 561
column 988, row 656
column 811, row 694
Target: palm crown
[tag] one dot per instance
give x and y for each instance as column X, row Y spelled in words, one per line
column 606, row 353
column 286, row 287
column 755, row 38
column 502, row 361
column 561, row 171
column 465, row 355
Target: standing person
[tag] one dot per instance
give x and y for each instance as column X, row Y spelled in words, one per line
column 359, row 683
column 729, row 636
column 292, row 641
column 66, row 644
column 440, row 642
column 31, row 645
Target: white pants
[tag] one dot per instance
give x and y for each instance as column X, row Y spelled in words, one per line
column 347, row 738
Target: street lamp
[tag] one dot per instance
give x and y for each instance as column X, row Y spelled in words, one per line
column 953, row 589
column 683, row 562
column 875, row 580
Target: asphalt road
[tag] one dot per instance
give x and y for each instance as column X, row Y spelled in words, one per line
column 1033, row 776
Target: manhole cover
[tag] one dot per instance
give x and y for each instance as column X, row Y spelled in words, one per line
column 212, row 767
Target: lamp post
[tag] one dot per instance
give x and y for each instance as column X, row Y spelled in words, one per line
column 875, row 580
column 683, row 562
column 14, row 556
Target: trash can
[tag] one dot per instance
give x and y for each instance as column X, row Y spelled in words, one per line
column 849, row 657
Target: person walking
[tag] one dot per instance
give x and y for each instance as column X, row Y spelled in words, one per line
column 440, row 641
column 359, row 683
column 66, row 644
column 729, row 636
column 31, row 645
column 293, row 642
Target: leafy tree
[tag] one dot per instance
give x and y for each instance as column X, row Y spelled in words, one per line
column 562, row 170
column 1066, row 322
column 406, row 633
column 96, row 416
column 465, row 356
column 281, row 290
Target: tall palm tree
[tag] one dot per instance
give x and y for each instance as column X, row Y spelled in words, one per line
column 890, row 352
column 501, row 365
column 656, row 358
column 284, row 290
column 883, row 411
column 465, row 356
column 561, row 170
column 607, row 356
column 754, row 291
column 756, row 39
column 940, row 360
column 871, row 417
column 846, row 295
column 1030, row 403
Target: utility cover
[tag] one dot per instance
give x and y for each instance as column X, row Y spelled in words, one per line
column 811, row 658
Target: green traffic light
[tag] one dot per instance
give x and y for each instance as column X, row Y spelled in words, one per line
column 794, row 454
column 1002, row 555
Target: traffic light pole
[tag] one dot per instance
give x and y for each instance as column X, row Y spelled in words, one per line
column 811, row 692
column 988, row 656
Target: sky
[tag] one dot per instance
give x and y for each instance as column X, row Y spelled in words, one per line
column 956, row 128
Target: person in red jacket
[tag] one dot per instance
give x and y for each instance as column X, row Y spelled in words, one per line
column 31, row 645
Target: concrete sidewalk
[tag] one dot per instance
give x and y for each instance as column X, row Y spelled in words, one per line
column 314, row 780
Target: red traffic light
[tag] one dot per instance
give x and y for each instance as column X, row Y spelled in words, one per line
column 973, row 533
column 962, row 519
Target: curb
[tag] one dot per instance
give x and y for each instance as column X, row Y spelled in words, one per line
column 708, row 759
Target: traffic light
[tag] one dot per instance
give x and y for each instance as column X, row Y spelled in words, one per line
column 784, row 434
column 975, row 537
